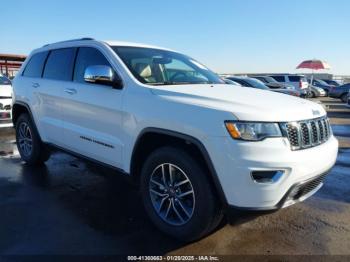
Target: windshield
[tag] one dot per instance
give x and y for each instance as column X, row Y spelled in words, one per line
column 321, row 82
column 256, row 83
column 160, row 67
column 4, row 81
column 270, row 79
column 231, row 82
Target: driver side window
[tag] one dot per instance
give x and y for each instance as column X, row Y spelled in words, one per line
column 87, row 56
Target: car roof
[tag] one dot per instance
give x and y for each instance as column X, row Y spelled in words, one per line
column 287, row 75
column 132, row 44
column 81, row 41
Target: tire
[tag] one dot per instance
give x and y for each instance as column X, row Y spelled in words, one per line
column 312, row 94
column 29, row 144
column 204, row 211
column 344, row 98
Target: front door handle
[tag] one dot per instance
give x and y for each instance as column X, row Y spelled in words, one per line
column 35, row 85
column 70, row 91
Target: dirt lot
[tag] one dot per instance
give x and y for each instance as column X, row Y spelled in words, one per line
column 74, row 207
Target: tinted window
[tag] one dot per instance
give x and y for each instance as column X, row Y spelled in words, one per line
column 279, row 78
column 294, row 78
column 321, row 82
column 35, row 65
column 270, row 79
column 240, row 81
column 86, row 57
column 59, row 65
column 261, row 79
column 256, row 83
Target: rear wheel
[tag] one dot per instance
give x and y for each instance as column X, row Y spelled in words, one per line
column 30, row 147
column 178, row 196
column 344, row 98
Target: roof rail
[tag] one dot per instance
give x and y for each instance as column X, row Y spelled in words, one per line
column 71, row 40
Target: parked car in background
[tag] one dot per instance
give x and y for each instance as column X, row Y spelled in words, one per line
column 272, row 83
column 315, row 91
column 348, row 103
column 332, row 82
column 298, row 81
column 5, row 102
column 340, row 92
column 255, row 83
column 321, row 84
column 230, row 82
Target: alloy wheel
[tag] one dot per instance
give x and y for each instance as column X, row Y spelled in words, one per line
column 25, row 139
column 172, row 194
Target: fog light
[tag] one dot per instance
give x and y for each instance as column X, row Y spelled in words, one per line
column 270, row 176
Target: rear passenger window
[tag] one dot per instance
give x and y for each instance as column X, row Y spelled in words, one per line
column 35, row 65
column 279, row 78
column 86, row 57
column 59, row 65
column 294, row 78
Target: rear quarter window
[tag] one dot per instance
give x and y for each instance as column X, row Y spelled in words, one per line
column 294, row 78
column 35, row 66
column 59, row 65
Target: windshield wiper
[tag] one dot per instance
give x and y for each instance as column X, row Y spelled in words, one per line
column 178, row 83
column 168, row 83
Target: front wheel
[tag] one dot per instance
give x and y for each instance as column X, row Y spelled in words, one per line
column 178, row 196
column 29, row 145
column 312, row 94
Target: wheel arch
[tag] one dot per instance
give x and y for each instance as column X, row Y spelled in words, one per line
column 152, row 138
column 19, row 108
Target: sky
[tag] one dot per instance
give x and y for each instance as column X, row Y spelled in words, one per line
column 229, row 36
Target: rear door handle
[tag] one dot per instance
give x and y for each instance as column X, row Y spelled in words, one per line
column 70, row 91
column 35, row 85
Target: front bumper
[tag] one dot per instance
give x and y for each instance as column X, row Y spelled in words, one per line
column 234, row 162
column 5, row 112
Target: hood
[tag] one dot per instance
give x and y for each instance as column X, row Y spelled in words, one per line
column 244, row 103
column 5, row 91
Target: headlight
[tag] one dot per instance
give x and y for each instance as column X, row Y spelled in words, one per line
column 252, row 131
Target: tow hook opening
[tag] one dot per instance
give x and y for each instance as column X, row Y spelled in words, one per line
column 267, row 176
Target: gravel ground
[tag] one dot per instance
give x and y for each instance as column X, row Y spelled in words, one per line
column 73, row 207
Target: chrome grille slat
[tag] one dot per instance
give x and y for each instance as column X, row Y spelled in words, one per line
column 310, row 132
column 306, row 134
column 319, row 122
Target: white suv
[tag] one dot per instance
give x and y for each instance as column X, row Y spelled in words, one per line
column 298, row 81
column 5, row 102
column 195, row 145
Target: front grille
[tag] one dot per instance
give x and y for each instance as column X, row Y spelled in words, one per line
column 307, row 187
column 306, row 134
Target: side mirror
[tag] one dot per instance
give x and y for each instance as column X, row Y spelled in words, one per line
column 103, row 75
